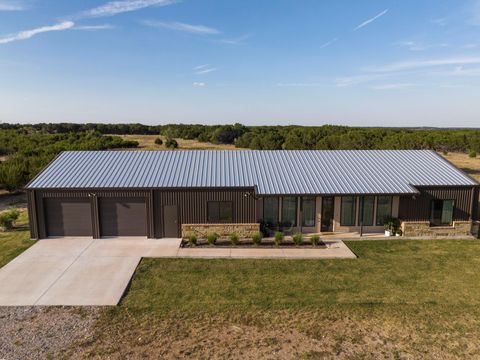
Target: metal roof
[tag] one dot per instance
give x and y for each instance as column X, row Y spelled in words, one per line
column 270, row 172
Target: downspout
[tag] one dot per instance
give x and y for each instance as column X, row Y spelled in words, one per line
column 362, row 199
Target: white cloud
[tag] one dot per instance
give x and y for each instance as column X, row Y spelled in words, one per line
column 439, row 21
column 300, row 84
column 418, row 46
column 203, row 71
column 462, row 71
column 199, row 84
column 395, row 86
column 358, row 79
column 328, row 43
column 470, row 46
column 369, row 21
column 27, row 34
column 11, row 5
column 236, row 41
column 418, row 64
column 94, row 27
column 117, row 7
column 178, row 26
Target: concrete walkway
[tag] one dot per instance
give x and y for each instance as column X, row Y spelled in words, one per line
column 84, row 271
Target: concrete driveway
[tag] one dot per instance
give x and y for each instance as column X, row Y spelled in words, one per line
column 85, row 271
column 75, row 271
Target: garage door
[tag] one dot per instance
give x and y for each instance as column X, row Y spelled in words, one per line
column 68, row 217
column 123, row 216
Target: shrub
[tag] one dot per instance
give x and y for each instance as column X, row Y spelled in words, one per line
column 472, row 154
column 278, row 239
column 297, row 238
column 257, row 238
column 315, row 240
column 171, row 143
column 212, row 238
column 8, row 218
column 234, row 238
column 158, row 141
column 192, row 239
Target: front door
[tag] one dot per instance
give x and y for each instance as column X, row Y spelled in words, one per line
column 170, row 221
column 327, row 214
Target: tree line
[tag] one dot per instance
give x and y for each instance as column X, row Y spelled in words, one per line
column 326, row 137
column 27, row 151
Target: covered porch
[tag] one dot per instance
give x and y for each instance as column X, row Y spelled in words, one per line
column 330, row 216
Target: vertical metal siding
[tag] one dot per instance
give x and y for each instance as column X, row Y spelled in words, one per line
column 192, row 205
column 32, row 214
column 418, row 209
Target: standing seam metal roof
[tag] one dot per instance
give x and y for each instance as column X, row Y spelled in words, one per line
column 270, row 172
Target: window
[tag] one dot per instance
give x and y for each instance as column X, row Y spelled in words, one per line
column 308, row 211
column 384, row 209
column 368, row 205
column 219, row 212
column 289, row 211
column 270, row 210
column 348, row 210
column 442, row 212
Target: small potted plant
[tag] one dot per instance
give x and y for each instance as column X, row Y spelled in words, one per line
column 391, row 226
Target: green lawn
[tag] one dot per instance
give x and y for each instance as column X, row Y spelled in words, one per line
column 398, row 299
column 13, row 243
column 387, row 273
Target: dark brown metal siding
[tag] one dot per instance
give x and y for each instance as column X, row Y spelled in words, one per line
column 32, row 214
column 67, row 217
column 418, row 209
column 476, row 204
column 192, row 205
column 123, row 216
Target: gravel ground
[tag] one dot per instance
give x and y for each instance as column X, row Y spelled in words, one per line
column 43, row 332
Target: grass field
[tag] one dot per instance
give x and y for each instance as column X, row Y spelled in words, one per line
column 400, row 299
column 470, row 165
column 147, row 142
column 13, row 243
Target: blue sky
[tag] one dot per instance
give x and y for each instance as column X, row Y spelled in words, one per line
column 310, row 62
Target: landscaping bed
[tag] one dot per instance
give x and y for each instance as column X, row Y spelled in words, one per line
column 298, row 240
column 248, row 243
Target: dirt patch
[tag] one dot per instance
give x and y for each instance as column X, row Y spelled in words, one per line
column 42, row 332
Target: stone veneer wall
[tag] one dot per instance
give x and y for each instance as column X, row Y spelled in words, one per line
column 423, row 228
column 223, row 230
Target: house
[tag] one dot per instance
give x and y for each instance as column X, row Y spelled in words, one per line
column 169, row 193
